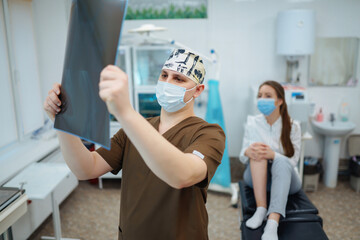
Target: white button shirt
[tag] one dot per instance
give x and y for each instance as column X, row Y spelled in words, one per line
column 258, row 130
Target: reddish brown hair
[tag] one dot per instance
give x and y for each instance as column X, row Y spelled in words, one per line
column 286, row 121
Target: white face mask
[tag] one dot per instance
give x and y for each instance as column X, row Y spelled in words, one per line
column 170, row 96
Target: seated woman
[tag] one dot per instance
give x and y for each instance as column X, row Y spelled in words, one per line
column 271, row 149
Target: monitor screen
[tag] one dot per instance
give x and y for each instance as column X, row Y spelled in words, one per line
column 148, row 105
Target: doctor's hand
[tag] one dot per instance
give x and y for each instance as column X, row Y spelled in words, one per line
column 113, row 90
column 52, row 102
column 257, row 151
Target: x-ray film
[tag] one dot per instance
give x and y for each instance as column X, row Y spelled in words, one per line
column 93, row 38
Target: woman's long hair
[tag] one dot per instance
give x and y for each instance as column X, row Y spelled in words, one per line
column 286, row 122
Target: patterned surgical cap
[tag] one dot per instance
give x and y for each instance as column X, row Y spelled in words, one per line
column 187, row 63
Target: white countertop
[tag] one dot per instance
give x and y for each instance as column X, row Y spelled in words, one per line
column 40, row 178
column 20, row 155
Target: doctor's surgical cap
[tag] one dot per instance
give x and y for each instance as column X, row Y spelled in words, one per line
column 187, row 63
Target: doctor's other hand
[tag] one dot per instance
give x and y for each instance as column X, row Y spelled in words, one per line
column 257, row 151
column 113, row 90
column 52, row 102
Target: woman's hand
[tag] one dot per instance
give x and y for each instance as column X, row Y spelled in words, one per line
column 52, row 103
column 269, row 153
column 113, row 90
column 259, row 151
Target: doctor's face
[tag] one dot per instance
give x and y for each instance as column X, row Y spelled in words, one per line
column 178, row 79
column 267, row 91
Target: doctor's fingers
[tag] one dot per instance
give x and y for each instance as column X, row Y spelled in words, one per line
column 54, row 98
column 56, row 88
column 108, row 75
column 51, row 106
column 114, row 69
column 112, row 72
column 115, row 86
column 111, row 67
column 109, row 94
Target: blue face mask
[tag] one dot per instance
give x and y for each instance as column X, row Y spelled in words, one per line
column 266, row 105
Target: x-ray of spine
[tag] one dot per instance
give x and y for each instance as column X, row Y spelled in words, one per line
column 93, row 38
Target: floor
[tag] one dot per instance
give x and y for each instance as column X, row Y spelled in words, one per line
column 340, row 209
column 90, row 213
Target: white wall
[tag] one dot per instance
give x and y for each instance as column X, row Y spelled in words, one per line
column 243, row 33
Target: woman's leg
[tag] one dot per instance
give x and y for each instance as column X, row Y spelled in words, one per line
column 259, row 181
column 284, row 180
column 256, row 176
column 281, row 172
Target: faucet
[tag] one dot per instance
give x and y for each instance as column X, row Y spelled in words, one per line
column 332, row 118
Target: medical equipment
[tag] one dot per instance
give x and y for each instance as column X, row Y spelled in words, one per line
column 295, row 31
column 214, row 114
column 147, row 29
column 298, row 104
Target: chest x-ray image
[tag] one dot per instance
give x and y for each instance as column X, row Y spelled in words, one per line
column 93, row 38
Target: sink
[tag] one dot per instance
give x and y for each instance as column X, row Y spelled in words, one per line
column 333, row 133
column 335, row 129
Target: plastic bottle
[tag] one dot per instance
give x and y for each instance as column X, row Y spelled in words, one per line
column 320, row 116
column 344, row 112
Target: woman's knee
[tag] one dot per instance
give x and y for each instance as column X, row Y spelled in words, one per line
column 282, row 164
column 259, row 163
column 295, row 185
